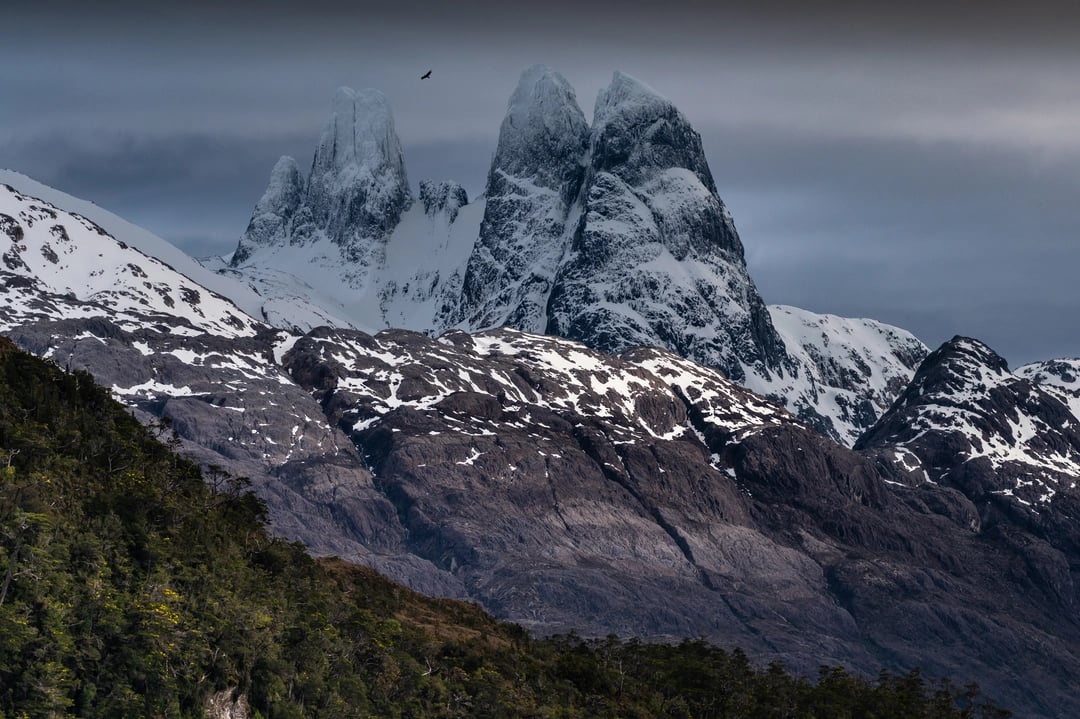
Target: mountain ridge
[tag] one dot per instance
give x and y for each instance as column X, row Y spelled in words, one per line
column 567, row 488
column 612, row 234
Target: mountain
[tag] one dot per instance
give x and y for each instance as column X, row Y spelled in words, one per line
column 566, row 488
column 200, row 362
column 1010, row 444
column 611, row 234
column 656, row 260
column 531, row 208
column 349, row 246
column 135, row 586
column 59, row 265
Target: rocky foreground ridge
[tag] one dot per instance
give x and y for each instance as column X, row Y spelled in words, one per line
column 563, row 487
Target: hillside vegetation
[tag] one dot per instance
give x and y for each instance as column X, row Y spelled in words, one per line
column 132, row 585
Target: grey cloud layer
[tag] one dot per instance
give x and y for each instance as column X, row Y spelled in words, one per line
column 913, row 164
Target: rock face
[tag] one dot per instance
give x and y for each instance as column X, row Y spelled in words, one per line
column 353, row 198
column 645, row 495
column 568, row 489
column 270, row 223
column 531, row 211
column 443, row 197
column 357, row 188
column 1010, row 445
column 974, row 425
column 656, row 259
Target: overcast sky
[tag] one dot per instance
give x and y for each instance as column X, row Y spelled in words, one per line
column 912, row 164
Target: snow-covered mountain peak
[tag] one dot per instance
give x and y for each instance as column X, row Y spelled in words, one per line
column 976, row 426
column 285, row 182
column 612, row 235
column 544, row 132
column 626, row 95
column 958, row 363
column 360, row 134
column 270, row 221
column 637, row 131
column 358, row 186
column 336, row 225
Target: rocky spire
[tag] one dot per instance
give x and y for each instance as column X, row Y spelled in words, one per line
column 534, row 180
column 354, row 196
column 656, row 259
column 358, row 187
column 269, row 223
column 543, row 135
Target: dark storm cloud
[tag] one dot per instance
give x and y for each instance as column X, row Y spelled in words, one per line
column 912, row 162
column 997, row 21
column 943, row 237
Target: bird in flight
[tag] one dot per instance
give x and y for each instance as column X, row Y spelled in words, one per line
column 426, row 75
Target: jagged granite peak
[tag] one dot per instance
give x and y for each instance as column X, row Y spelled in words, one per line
column 316, row 251
column 269, row 223
column 358, row 186
column 967, row 422
column 614, row 236
column 543, row 134
column 636, row 129
column 656, row 259
column 446, row 197
column 532, row 186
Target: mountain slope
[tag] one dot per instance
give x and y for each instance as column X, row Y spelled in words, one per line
column 138, row 238
column 132, row 587
column 849, row 370
column 50, row 251
column 566, row 488
column 974, row 424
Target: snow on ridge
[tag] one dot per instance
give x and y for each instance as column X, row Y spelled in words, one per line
column 69, row 254
column 1064, row 372
column 400, row 369
column 137, row 237
column 846, row 366
column 1027, row 433
column 625, row 95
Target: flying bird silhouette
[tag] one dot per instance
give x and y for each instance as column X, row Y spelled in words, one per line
column 426, row 75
